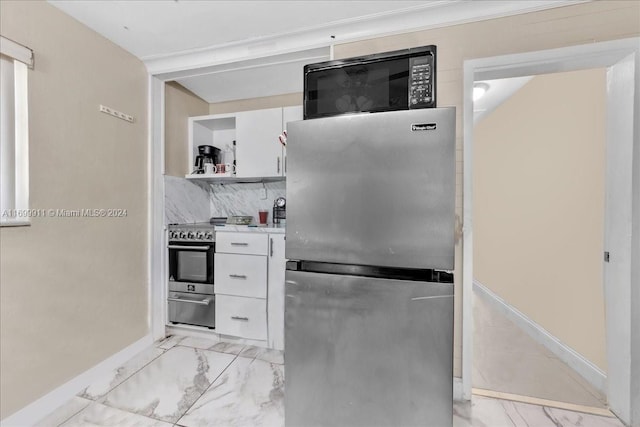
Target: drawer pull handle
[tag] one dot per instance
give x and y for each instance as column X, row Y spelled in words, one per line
column 239, row 244
column 203, row 302
column 237, row 276
column 244, row 319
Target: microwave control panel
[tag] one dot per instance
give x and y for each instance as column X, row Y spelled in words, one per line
column 422, row 82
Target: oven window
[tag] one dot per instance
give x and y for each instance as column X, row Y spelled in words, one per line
column 192, row 266
column 376, row 86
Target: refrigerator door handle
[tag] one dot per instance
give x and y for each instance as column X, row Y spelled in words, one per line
column 432, row 297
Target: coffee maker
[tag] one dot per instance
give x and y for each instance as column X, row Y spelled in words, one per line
column 279, row 210
column 206, row 154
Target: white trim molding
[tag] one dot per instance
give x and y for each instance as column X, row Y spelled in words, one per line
column 35, row 411
column 433, row 14
column 587, row 370
column 622, row 208
column 458, row 394
column 16, row 51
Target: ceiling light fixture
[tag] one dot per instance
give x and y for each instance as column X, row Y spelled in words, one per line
column 479, row 89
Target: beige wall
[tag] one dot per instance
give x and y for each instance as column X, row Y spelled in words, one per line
column 74, row 290
column 565, row 26
column 180, row 104
column 287, row 100
column 538, row 206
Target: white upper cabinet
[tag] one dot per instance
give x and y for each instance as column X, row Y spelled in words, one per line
column 258, row 151
column 289, row 114
column 259, row 155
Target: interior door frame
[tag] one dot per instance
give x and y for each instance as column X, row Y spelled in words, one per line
column 622, row 206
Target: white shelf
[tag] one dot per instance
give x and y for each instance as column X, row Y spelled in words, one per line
column 217, row 179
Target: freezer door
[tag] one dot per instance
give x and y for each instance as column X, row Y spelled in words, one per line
column 367, row 352
column 373, row 189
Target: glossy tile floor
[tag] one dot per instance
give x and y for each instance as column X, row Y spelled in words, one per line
column 506, row 359
column 195, row 382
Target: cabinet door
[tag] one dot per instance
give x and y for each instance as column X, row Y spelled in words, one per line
column 258, row 151
column 241, row 243
column 241, row 275
column 275, row 310
column 289, row 114
column 241, row 317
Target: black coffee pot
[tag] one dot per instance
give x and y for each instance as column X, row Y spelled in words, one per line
column 206, row 154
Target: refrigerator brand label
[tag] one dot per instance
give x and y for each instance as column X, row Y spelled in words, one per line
column 423, row 126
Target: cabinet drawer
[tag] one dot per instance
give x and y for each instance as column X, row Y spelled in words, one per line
column 241, row 275
column 241, row 317
column 242, row 243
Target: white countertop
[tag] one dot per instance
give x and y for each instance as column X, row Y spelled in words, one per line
column 269, row 228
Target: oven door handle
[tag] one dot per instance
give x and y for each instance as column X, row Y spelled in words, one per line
column 193, row 248
column 203, row 302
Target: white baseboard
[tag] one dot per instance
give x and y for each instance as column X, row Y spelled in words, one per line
column 457, row 389
column 587, row 370
column 37, row 410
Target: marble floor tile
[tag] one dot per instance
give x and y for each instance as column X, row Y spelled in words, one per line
column 64, row 412
column 101, row 415
column 481, row 412
column 169, row 342
column 109, row 381
column 168, row 386
column 213, row 345
column 198, row 342
column 488, row 412
column 249, row 393
column 267, row 354
column 194, row 387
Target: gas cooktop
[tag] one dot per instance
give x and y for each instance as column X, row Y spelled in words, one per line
column 192, row 232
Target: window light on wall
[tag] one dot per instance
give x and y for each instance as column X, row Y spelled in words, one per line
column 15, row 60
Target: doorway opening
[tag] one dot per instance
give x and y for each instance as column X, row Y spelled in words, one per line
column 620, row 59
column 539, row 181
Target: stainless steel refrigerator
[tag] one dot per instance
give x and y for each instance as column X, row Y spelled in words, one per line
column 369, row 282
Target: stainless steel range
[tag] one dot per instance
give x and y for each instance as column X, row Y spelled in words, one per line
column 191, row 291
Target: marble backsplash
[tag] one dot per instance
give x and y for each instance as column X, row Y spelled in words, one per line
column 186, row 201
column 191, row 201
column 244, row 199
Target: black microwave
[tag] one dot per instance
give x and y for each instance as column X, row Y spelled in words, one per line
column 398, row 80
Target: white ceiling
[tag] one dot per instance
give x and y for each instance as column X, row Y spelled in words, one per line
column 226, row 50
column 153, row 28
column 254, row 78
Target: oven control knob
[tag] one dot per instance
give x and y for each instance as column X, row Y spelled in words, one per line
column 183, row 235
column 209, row 235
column 191, row 235
column 199, row 235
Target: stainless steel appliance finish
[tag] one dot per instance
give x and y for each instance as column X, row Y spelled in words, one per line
column 367, row 189
column 192, row 304
column 367, row 351
column 369, row 288
column 191, row 297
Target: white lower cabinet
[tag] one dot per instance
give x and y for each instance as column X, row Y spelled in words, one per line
column 249, row 286
column 275, row 294
column 241, row 275
column 241, row 317
column 241, row 243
